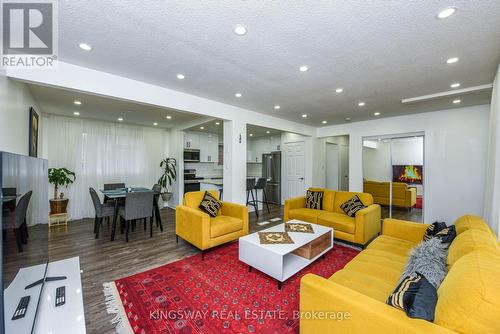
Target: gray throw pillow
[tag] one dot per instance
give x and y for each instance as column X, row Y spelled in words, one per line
column 429, row 259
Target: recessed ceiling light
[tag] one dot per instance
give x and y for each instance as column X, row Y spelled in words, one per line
column 457, row 101
column 237, row 94
column 348, row 119
column 168, row 117
column 451, row 60
column 303, row 68
column 324, row 122
column 339, row 90
column 120, row 119
column 180, row 76
column 455, row 85
column 77, row 102
column 361, row 104
column 155, row 124
column 240, row 29
column 217, row 123
column 277, row 107
column 251, row 135
column 85, row 46
column 76, row 113
column 304, row 116
column 376, row 113
column 447, row 12
column 202, row 128
column 268, row 131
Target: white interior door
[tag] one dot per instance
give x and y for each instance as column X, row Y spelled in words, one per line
column 332, row 166
column 295, row 169
column 344, row 167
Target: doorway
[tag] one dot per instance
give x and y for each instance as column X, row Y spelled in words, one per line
column 332, row 165
column 295, row 169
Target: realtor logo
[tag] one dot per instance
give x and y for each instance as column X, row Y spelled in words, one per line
column 29, row 34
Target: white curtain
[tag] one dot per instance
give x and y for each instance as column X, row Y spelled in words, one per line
column 492, row 196
column 103, row 152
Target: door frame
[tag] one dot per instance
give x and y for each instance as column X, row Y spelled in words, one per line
column 284, row 169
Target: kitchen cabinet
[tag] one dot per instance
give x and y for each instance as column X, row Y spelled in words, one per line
column 192, row 140
column 209, row 147
column 258, row 146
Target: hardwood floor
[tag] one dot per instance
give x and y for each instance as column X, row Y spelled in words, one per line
column 104, row 261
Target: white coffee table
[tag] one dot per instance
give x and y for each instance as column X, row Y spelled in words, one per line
column 277, row 260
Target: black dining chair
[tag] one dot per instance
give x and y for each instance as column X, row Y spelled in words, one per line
column 156, row 208
column 261, row 185
column 17, row 221
column 138, row 205
column 102, row 210
column 250, row 188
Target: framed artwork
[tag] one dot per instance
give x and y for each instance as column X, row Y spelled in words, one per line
column 33, row 133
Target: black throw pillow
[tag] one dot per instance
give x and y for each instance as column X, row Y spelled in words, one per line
column 433, row 229
column 416, row 296
column 352, row 206
column 447, row 235
column 210, row 204
column 314, row 200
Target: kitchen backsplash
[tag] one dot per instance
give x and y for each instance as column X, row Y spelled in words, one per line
column 254, row 169
column 205, row 169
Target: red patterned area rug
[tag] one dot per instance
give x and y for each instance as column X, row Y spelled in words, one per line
column 217, row 295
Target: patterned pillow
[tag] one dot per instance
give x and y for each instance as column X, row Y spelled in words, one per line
column 352, row 206
column 416, row 296
column 433, row 229
column 210, row 204
column 314, row 200
column 446, row 235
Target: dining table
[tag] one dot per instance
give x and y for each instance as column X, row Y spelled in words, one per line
column 121, row 193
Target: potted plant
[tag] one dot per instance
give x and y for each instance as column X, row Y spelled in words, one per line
column 60, row 177
column 169, row 166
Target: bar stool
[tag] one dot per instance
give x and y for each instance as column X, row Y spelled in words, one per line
column 261, row 185
column 250, row 188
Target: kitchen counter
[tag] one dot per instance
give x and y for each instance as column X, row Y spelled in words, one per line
column 215, row 182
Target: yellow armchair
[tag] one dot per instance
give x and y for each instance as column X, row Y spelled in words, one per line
column 202, row 231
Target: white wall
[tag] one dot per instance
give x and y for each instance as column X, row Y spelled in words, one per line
column 319, row 157
column 455, row 156
column 492, row 192
column 15, row 101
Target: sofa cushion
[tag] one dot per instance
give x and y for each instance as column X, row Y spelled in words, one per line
column 308, row 215
column 328, row 197
column 385, row 270
column 222, row 225
column 364, row 283
column 314, row 200
column 343, row 196
column 469, row 241
column 392, row 245
column 468, row 222
column 468, row 298
column 338, row 221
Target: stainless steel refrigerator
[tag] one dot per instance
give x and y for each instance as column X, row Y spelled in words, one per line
column 271, row 169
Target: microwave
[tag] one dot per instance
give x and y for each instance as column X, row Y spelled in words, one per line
column 191, row 155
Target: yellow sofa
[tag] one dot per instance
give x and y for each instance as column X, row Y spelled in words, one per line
column 402, row 195
column 199, row 229
column 359, row 229
column 468, row 297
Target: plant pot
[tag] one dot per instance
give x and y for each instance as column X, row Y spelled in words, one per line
column 59, row 205
column 166, row 196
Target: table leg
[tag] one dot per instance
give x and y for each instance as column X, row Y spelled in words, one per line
column 157, row 216
column 279, row 285
column 114, row 220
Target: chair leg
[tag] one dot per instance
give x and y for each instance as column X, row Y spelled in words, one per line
column 95, row 224
column 150, row 227
column 26, row 229
column 24, row 239
column 265, row 199
column 99, row 222
column 17, row 232
column 176, row 239
column 127, row 228
column 202, row 255
column 248, row 194
column 145, row 222
column 133, row 225
column 255, row 204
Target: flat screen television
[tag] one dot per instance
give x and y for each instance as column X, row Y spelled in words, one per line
column 411, row 174
column 24, row 243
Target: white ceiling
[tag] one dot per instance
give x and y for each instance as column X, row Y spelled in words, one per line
column 378, row 51
column 213, row 127
column 61, row 102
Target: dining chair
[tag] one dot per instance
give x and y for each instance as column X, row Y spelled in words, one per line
column 138, row 205
column 17, row 221
column 103, row 210
column 156, row 206
column 250, row 188
column 261, row 185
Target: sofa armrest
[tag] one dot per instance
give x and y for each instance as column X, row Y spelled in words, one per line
column 193, row 226
column 412, row 194
column 328, row 307
column 293, row 203
column 367, row 224
column 404, row 229
column 236, row 211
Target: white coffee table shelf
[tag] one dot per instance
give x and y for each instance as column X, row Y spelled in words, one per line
column 277, row 260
